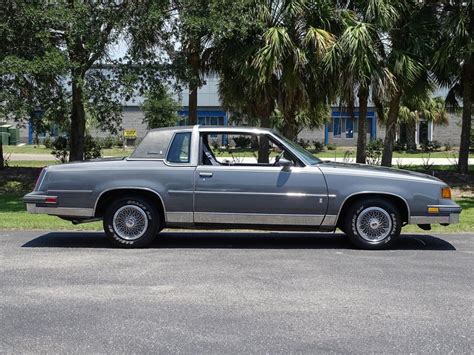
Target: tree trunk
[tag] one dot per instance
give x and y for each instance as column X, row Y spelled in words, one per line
column 290, row 127
column 78, row 120
column 194, row 62
column 411, row 135
column 362, row 126
column 2, row 163
column 193, row 101
column 467, row 78
column 391, row 131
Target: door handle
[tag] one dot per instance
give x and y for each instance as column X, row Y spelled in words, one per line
column 205, row 175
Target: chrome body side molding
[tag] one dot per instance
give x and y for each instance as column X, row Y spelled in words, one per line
column 258, row 218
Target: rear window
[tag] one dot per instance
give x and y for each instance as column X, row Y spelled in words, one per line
column 154, row 145
column 180, row 148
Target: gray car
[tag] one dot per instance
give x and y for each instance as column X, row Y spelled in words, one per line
column 238, row 177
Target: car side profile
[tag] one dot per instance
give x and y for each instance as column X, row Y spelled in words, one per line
column 238, row 177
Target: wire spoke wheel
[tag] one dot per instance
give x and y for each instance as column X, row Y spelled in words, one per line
column 130, row 222
column 374, row 224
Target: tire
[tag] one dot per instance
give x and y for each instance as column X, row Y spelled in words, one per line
column 131, row 222
column 373, row 224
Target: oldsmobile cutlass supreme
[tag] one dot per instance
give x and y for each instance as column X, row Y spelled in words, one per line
column 182, row 177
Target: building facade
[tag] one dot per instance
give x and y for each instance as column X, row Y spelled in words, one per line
column 341, row 130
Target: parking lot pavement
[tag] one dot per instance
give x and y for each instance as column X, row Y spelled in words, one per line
column 235, row 292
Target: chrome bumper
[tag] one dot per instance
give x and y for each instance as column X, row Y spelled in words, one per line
column 60, row 211
column 38, row 203
column 446, row 215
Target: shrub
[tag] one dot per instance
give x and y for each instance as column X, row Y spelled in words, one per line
column 60, row 149
column 48, row 142
column 374, row 151
column 399, row 146
column 318, row 146
column 92, row 148
column 242, row 142
column 331, row 147
column 107, row 142
column 430, row 146
column 303, row 143
column 448, row 147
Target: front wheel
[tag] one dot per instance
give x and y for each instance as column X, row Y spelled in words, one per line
column 131, row 222
column 373, row 224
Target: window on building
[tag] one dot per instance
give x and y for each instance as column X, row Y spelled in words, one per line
column 337, row 127
column 349, row 128
column 180, row 148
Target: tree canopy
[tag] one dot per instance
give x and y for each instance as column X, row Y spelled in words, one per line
column 280, row 63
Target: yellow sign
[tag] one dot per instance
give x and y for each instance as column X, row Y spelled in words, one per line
column 130, row 133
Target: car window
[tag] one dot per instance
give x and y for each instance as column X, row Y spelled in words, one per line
column 303, row 154
column 240, row 149
column 180, row 148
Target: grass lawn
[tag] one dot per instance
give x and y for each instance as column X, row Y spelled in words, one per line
column 14, row 183
column 41, row 149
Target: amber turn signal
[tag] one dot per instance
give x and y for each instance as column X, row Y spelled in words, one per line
column 446, row 193
column 433, row 209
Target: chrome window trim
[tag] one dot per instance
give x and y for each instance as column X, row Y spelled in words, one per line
column 191, row 154
column 255, row 131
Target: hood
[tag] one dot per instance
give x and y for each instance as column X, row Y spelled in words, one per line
column 375, row 171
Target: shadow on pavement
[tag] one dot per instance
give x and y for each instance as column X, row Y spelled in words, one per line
column 233, row 240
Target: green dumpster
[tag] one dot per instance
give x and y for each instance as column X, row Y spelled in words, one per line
column 4, row 138
column 14, row 135
column 4, row 128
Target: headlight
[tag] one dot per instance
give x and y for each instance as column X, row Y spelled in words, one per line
column 446, row 193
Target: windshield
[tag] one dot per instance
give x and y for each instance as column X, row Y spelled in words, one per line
column 302, row 153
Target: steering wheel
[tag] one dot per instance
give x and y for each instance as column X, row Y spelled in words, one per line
column 278, row 157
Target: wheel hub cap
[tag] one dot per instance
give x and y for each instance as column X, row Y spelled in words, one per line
column 130, row 222
column 374, row 224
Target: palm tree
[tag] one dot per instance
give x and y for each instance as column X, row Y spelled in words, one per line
column 357, row 60
column 295, row 38
column 409, row 43
column 428, row 108
column 453, row 64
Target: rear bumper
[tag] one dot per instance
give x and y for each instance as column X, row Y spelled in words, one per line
column 60, row 211
column 448, row 214
column 39, row 204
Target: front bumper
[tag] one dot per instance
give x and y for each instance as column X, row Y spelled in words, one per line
column 448, row 214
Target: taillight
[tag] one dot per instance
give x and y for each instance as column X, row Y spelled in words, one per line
column 39, row 179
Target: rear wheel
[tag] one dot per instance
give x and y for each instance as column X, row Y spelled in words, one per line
column 373, row 224
column 131, row 222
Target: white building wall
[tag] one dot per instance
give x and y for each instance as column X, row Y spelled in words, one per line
column 450, row 133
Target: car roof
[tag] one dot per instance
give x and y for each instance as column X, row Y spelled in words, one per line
column 225, row 129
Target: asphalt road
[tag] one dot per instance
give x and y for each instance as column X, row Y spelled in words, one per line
column 235, row 293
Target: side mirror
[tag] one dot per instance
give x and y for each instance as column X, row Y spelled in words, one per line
column 285, row 163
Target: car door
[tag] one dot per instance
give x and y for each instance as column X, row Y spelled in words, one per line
column 259, row 194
